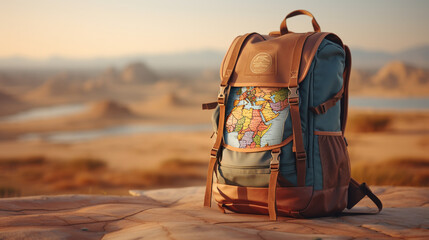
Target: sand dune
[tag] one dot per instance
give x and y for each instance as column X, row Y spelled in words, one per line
column 109, row 109
column 59, row 86
column 10, row 104
column 138, row 73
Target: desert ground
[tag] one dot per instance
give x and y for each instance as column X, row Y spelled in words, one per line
column 39, row 156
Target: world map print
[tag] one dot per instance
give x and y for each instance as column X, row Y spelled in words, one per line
column 255, row 116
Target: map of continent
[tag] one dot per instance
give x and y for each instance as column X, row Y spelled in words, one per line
column 256, row 116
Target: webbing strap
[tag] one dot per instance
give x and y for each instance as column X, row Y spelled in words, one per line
column 272, row 186
column 323, row 107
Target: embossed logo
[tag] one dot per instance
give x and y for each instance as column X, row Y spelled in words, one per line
column 261, row 63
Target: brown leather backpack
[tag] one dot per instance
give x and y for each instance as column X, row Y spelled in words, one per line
column 279, row 121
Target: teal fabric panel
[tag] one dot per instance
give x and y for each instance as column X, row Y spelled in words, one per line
column 328, row 80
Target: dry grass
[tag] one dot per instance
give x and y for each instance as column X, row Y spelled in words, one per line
column 397, row 172
column 38, row 175
column 369, row 122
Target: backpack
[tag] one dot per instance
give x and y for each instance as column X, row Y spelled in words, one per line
column 279, row 121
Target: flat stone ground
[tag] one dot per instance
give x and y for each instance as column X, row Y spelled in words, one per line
column 178, row 214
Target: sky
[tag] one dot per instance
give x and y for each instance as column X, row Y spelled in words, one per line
column 107, row 28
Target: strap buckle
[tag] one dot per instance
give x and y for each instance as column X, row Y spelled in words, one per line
column 275, row 159
column 293, row 96
column 301, row 156
column 322, row 108
column 214, row 152
column 221, row 95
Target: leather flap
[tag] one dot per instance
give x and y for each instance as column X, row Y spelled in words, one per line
column 266, row 61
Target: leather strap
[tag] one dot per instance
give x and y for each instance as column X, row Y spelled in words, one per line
column 272, row 186
column 293, row 98
column 226, row 75
column 323, row 107
column 283, row 25
column 346, row 81
column 223, row 92
column 358, row 191
column 209, row 106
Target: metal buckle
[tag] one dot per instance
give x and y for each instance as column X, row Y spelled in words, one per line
column 293, row 95
column 214, row 152
column 275, row 160
column 322, row 108
column 221, row 95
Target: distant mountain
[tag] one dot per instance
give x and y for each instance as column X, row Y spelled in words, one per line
column 206, row 59
column 417, row 56
column 184, row 60
column 398, row 74
column 395, row 78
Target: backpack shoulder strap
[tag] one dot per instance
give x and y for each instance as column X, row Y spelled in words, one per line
column 225, row 76
column 358, row 191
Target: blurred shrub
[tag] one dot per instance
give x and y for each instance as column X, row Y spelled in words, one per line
column 9, row 192
column 366, row 122
column 398, row 172
column 90, row 164
column 22, row 161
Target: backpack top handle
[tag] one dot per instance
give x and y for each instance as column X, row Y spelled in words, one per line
column 283, row 26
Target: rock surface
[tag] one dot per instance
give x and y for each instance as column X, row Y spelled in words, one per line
column 178, row 214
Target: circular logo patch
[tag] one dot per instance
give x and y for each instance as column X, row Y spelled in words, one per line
column 261, row 62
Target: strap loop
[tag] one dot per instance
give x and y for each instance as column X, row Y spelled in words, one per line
column 209, row 106
column 283, row 26
column 272, row 185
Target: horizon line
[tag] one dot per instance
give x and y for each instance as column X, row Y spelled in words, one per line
column 208, row 49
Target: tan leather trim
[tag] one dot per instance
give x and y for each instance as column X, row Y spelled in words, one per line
column 284, row 143
column 325, row 133
column 227, row 57
column 263, row 43
column 289, row 200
